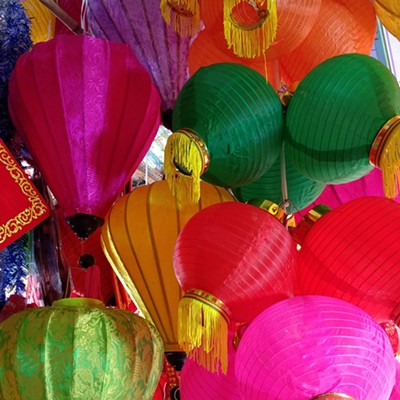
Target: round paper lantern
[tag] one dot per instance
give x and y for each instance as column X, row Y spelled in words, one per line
column 388, row 12
column 395, row 395
column 138, row 238
column 42, row 20
column 347, row 254
column 295, row 20
column 78, row 349
column 343, row 119
column 341, row 27
column 301, row 191
column 196, row 383
column 140, row 24
column 232, row 260
column 314, row 347
column 97, row 116
column 228, row 125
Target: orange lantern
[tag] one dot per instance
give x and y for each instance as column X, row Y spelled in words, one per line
column 388, row 12
column 138, row 238
column 342, row 27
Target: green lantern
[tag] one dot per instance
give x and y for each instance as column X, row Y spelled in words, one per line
column 301, row 191
column 228, row 125
column 344, row 119
column 77, row 349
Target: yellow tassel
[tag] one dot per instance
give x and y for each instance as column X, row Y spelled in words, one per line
column 250, row 41
column 182, row 15
column 185, row 159
column 203, row 330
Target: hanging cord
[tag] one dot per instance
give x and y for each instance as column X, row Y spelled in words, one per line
column 284, row 188
column 84, row 22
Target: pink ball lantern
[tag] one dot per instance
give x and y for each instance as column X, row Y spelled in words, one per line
column 315, row 347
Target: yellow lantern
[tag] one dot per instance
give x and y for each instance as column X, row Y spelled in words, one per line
column 43, row 21
column 388, row 12
column 138, row 238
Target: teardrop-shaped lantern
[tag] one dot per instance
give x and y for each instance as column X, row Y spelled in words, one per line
column 228, row 125
column 352, row 253
column 88, row 112
column 388, row 12
column 140, row 24
column 343, row 119
column 138, row 238
column 232, row 260
column 315, row 348
column 79, row 349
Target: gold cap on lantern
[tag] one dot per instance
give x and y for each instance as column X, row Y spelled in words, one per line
column 186, row 158
column 250, row 38
column 332, row 396
column 385, row 154
column 182, row 15
column 275, row 210
column 203, row 322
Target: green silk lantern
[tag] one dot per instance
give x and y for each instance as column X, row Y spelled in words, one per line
column 228, row 125
column 78, row 349
column 344, row 119
column 301, row 191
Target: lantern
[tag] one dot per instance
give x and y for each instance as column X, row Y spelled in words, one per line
column 388, row 12
column 78, row 349
column 280, row 184
column 314, row 347
column 97, row 116
column 140, row 24
column 138, row 239
column 395, row 395
column 228, row 127
column 342, row 120
column 341, row 27
column 295, row 20
column 198, row 384
column 347, row 254
column 42, row 20
column 227, row 257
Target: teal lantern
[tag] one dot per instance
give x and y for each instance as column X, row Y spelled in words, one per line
column 344, row 119
column 228, row 129
column 79, row 350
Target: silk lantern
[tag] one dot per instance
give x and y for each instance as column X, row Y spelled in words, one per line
column 395, row 395
column 197, row 384
column 228, row 130
column 138, row 239
column 280, row 184
column 88, row 112
column 232, row 260
column 314, row 347
column 295, row 20
column 347, row 254
column 388, row 12
column 341, row 27
column 79, row 349
column 343, row 120
column 160, row 50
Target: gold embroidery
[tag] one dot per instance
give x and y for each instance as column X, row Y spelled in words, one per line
column 37, row 207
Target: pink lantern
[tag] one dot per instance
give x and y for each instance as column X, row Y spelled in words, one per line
column 396, row 389
column 315, row 347
column 198, row 384
column 88, row 113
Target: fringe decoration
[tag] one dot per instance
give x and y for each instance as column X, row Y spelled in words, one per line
column 250, row 41
column 181, row 151
column 203, row 332
column 385, row 154
column 182, row 15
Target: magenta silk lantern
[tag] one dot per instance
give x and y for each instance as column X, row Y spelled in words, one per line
column 140, row 24
column 305, row 347
column 395, row 395
column 88, row 113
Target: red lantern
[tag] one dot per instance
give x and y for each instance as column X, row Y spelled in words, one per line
column 352, row 253
column 88, row 112
column 232, row 260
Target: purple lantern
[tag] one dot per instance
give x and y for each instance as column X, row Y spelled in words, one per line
column 140, row 24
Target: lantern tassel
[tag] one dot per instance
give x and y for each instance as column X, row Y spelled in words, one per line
column 182, row 15
column 203, row 323
column 250, row 41
column 185, row 159
column 385, row 154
